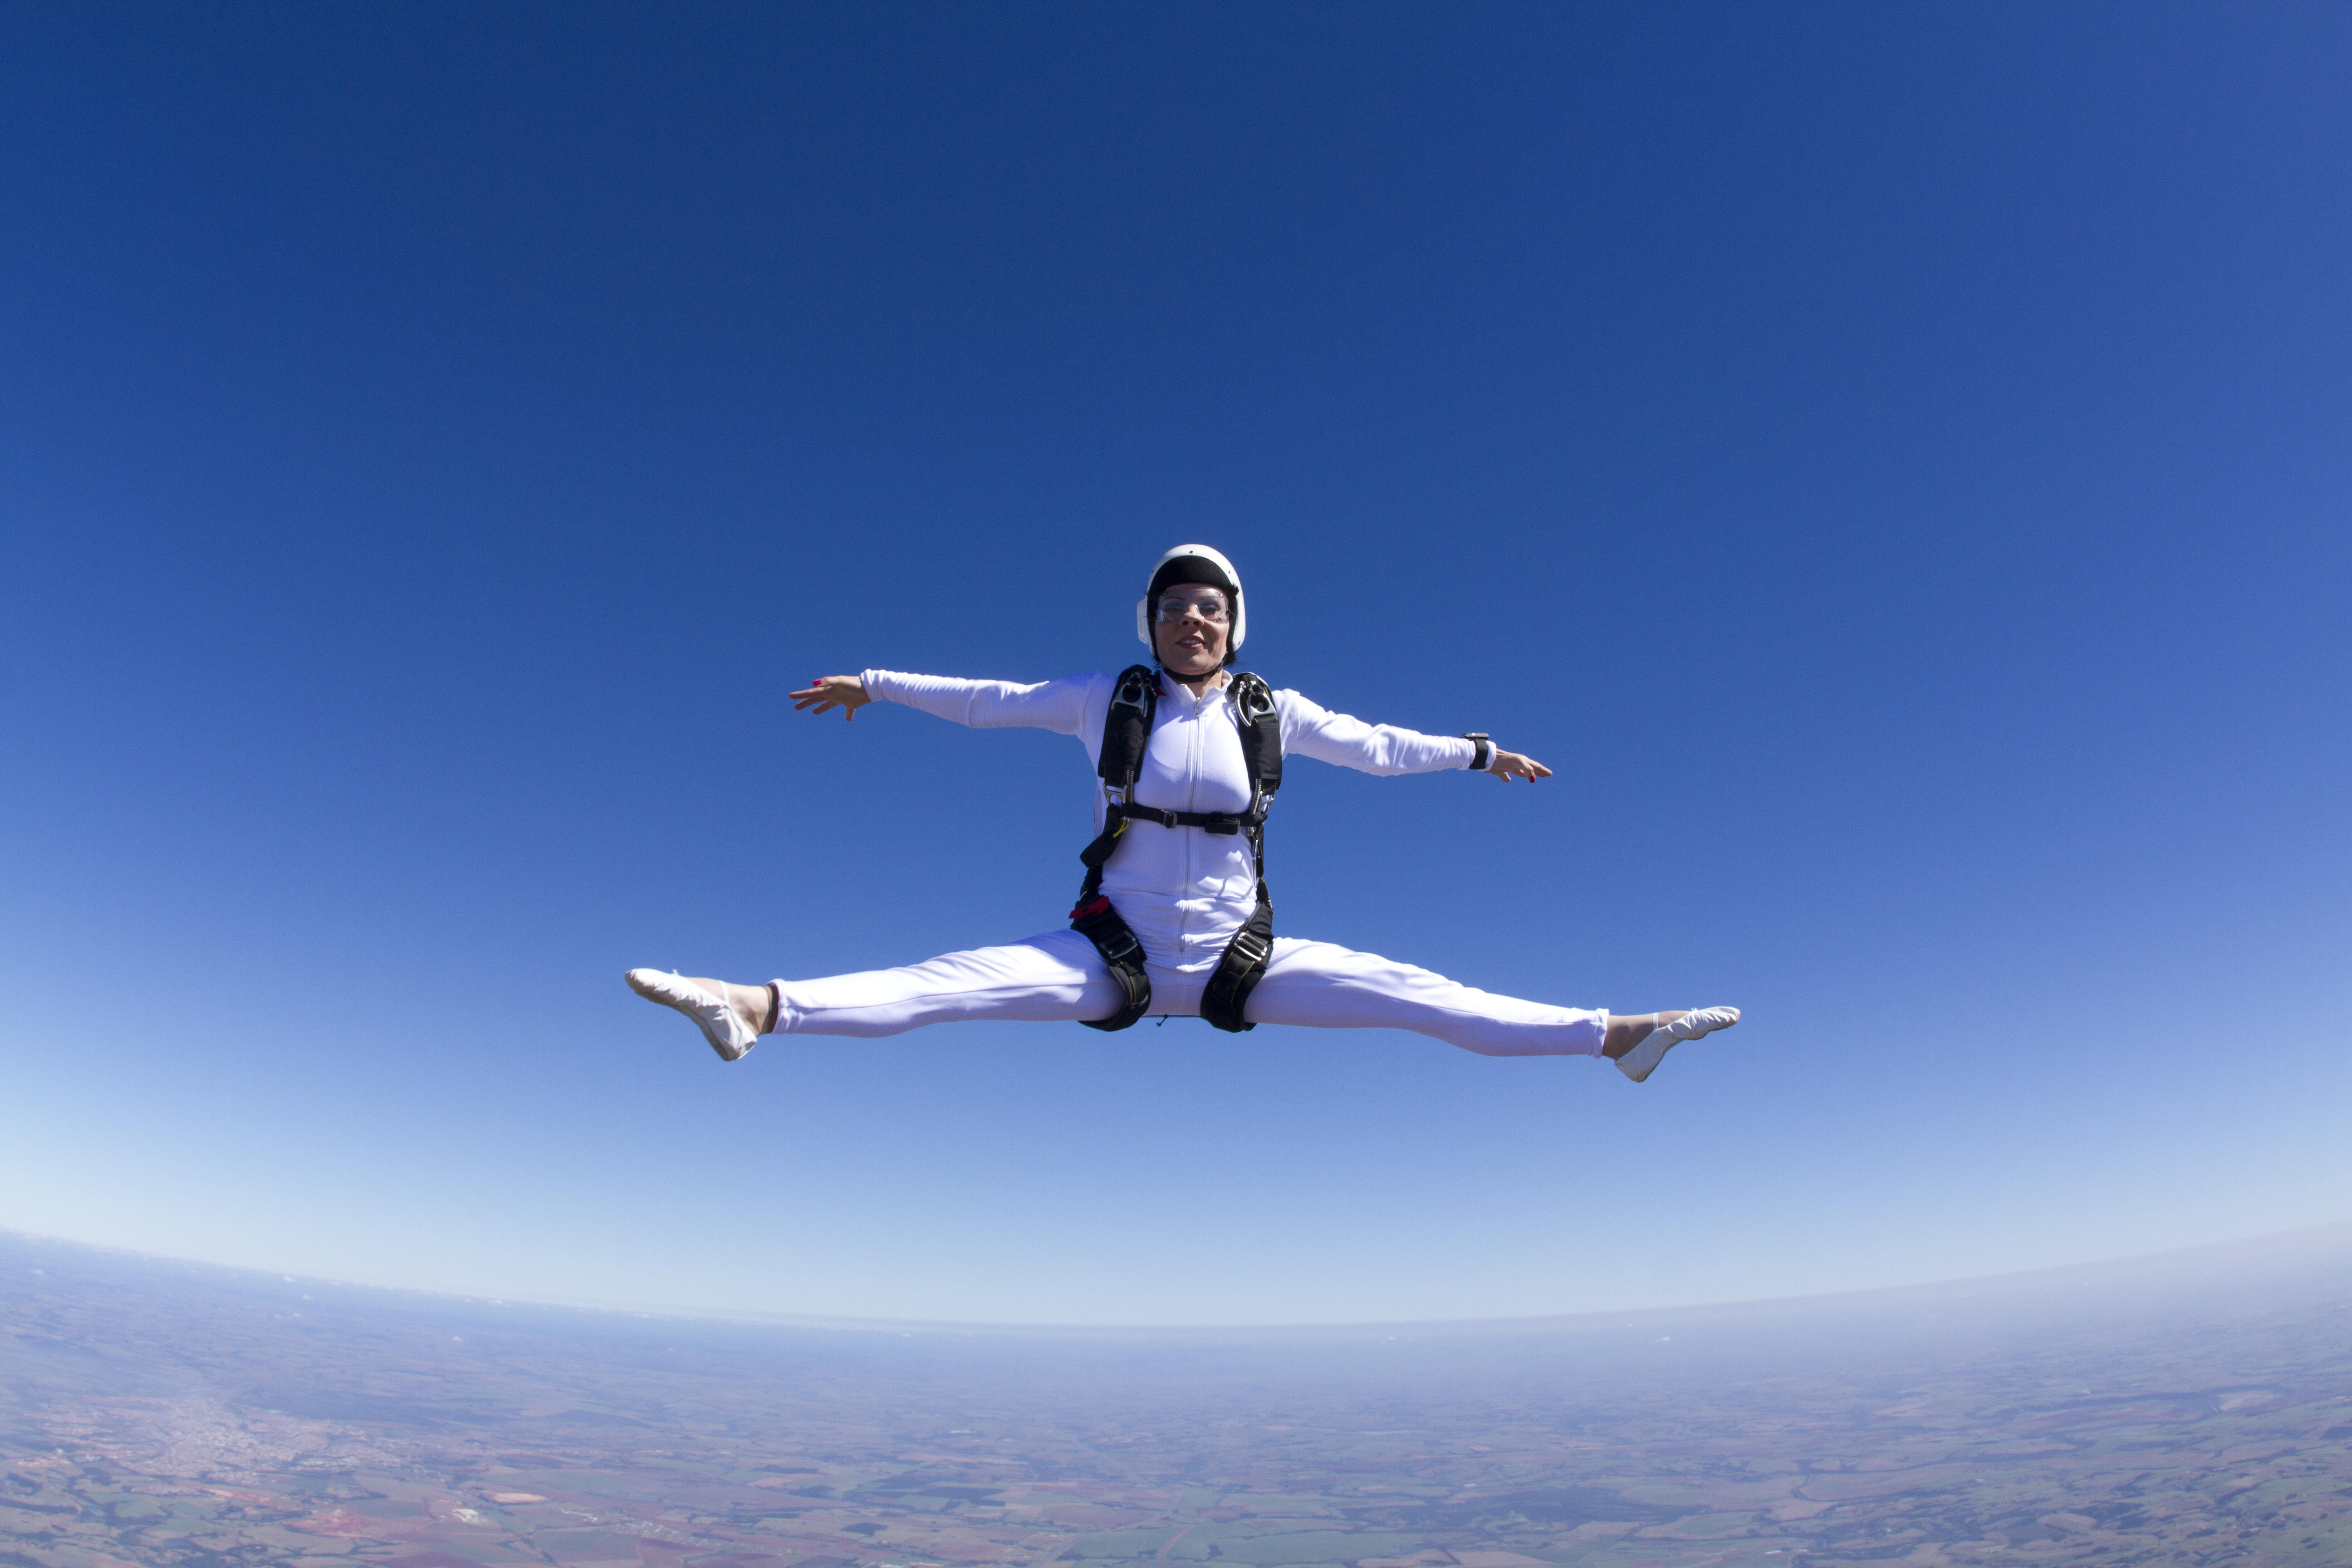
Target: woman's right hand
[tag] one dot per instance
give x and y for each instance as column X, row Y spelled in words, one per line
column 827, row 692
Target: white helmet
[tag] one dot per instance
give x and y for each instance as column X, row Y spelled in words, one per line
column 1193, row 563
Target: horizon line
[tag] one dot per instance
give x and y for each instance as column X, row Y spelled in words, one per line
column 908, row 1327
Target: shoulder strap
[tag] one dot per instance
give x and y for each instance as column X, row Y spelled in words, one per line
column 1243, row 965
column 1261, row 729
column 1127, row 730
column 1126, row 726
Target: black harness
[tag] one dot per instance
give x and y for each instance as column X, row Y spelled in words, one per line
column 1126, row 730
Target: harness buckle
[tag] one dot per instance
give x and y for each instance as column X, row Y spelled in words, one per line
column 1132, row 692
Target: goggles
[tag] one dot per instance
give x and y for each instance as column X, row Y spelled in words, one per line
column 1213, row 611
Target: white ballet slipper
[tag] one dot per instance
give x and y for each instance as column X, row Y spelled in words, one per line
column 720, row 1024
column 1643, row 1059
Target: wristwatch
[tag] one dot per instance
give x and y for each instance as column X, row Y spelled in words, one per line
column 1486, row 751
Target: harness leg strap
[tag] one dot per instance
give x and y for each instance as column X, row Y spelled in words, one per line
column 1240, row 970
column 1121, row 954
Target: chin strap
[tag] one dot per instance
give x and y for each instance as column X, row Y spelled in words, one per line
column 1225, row 669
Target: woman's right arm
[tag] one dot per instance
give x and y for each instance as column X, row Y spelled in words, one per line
column 1056, row 705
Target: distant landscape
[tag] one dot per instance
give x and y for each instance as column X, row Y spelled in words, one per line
column 2190, row 1409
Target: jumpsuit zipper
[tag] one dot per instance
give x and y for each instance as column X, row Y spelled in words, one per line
column 1184, row 940
column 1192, row 835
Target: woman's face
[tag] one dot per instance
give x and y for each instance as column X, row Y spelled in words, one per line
column 1189, row 629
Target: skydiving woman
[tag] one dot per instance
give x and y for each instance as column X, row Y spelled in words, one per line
column 1174, row 919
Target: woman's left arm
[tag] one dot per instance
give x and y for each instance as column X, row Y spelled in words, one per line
column 1314, row 731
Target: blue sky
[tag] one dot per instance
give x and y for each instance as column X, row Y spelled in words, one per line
column 1892, row 462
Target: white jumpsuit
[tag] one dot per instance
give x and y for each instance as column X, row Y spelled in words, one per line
column 1184, row 892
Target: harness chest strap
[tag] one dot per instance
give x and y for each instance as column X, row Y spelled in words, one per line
column 1222, row 822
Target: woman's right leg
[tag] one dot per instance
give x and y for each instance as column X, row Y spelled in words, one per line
column 1042, row 979
column 1054, row 978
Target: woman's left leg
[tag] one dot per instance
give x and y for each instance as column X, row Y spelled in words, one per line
column 1322, row 985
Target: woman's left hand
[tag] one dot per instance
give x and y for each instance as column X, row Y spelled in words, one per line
column 1508, row 766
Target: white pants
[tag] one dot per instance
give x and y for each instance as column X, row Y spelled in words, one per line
column 1058, row 978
